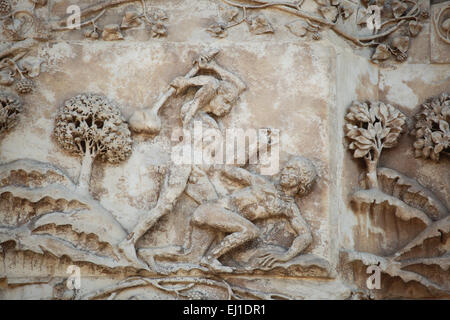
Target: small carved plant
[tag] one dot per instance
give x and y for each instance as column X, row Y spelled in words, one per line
column 371, row 128
column 432, row 128
column 89, row 125
column 10, row 107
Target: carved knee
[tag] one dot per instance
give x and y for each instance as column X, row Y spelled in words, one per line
column 199, row 217
column 252, row 232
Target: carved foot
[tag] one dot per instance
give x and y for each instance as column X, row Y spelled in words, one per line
column 126, row 248
column 214, row 265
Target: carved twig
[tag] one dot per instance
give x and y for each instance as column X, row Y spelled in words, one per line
column 82, row 24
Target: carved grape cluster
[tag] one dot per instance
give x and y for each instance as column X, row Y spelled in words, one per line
column 432, row 128
column 10, row 107
column 91, row 123
column 5, row 7
column 372, row 127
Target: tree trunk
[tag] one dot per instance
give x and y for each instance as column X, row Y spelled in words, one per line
column 85, row 173
column 372, row 180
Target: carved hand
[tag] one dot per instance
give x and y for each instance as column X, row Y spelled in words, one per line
column 269, row 258
column 179, row 83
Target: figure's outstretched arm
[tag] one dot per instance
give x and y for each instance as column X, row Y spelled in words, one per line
column 300, row 243
column 227, row 76
column 242, row 176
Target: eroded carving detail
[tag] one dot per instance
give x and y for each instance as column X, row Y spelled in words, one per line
column 18, row 69
column 10, row 107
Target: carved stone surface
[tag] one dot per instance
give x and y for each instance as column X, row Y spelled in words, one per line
column 223, row 149
column 440, row 35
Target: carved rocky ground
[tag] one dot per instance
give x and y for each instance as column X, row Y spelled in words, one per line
column 92, row 120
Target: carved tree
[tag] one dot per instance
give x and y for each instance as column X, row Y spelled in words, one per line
column 418, row 245
column 10, row 107
column 432, row 128
column 89, row 125
column 371, row 128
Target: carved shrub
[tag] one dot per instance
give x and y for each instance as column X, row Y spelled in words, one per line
column 371, row 127
column 90, row 125
column 432, row 128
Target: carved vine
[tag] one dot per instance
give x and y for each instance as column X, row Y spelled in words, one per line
column 152, row 18
column 402, row 17
column 182, row 287
column 18, row 69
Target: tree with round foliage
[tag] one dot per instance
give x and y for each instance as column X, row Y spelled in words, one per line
column 90, row 126
column 372, row 127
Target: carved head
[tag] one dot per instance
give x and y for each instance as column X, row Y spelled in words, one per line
column 298, row 175
column 222, row 103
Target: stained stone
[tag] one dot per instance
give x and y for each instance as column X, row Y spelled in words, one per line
column 222, row 150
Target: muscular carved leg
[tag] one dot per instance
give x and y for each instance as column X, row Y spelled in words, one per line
column 174, row 185
column 208, row 89
column 215, row 216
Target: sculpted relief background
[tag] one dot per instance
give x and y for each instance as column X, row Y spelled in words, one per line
column 348, row 169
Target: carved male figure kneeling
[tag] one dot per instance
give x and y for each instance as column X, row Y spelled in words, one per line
column 260, row 199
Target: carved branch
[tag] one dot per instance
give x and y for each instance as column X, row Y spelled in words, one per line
column 18, row 47
column 96, row 8
column 135, row 282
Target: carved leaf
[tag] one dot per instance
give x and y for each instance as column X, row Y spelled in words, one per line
column 381, row 53
column 218, row 30
column 398, row 8
column 131, row 19
column 259, row 24
column 414, row 28
column 330, row 13
column 298, row 28
column 111, row 32
column 31, row 66
column 345, row 10
column 228, row 14
column 401, row 43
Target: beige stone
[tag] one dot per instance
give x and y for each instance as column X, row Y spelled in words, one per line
column 345, row 170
